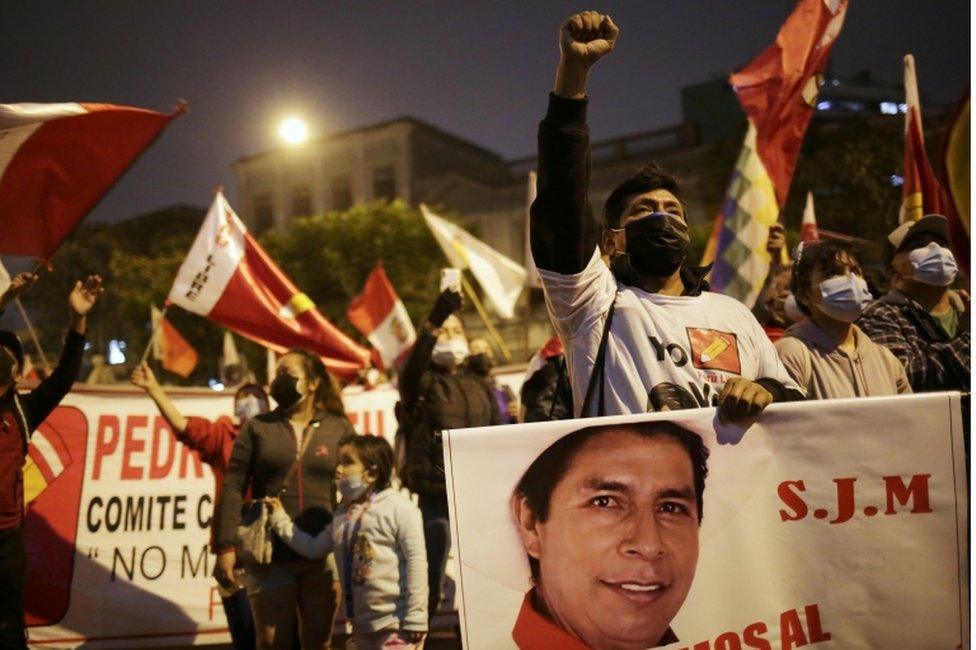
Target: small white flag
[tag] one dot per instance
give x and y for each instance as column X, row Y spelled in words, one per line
column 501, row 278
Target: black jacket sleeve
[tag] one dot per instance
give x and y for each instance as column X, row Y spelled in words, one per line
column 417, row 365
column 563, row 234
column 235, row 484
column 39, row 403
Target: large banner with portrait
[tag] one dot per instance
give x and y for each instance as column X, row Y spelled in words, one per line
column 830, row 524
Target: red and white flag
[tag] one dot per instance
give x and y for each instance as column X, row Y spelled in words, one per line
column 379, row 314
column 921, row 192
column 57, row 161
column 808, row 229
column 229, row 279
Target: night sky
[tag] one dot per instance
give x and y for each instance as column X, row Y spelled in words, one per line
column 478, row 69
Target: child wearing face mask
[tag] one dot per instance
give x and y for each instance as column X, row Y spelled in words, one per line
column 377, row 536
column 827, row 354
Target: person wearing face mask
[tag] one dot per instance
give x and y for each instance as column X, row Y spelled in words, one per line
column 480, row 361
column 648, row 319
column 289, row 453
column 776, row 307
column 438, row 391
column 923, row 322
column 20, row 415
column 827, row 354
column 378, row 539
column 213, row 440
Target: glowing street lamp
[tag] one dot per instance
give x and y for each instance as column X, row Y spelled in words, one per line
column 293, row 130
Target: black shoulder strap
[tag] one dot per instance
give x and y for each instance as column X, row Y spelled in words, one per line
column 599, row 367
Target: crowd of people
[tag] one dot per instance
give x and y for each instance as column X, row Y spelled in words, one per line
column 638, row 330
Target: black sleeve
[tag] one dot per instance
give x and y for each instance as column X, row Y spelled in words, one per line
column 780, row 392
column 417, row 365
column 39, row 403
column 235, row 484
column 563, row 234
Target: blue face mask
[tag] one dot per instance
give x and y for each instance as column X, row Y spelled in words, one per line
column 844, row 297
column 352, row 487
column 934, row 265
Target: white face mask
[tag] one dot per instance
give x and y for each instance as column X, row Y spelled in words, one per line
column 450, row 353
column 352, row 487
column 934, row 265
column 844, row 297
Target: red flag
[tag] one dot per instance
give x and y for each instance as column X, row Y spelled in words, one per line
column 169, row 346
column 921, row 193
column 228, row 278
column 57, row 161
column 379, row 314
column 955, row 181
column 779, row 88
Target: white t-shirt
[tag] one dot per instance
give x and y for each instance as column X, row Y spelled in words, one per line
column 663, row 352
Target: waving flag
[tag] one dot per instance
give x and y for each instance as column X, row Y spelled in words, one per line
column 778, row 91
column 500, row 277
column 808, row 229
column 229, row 279
column 57, row 161
column 170, row 348
column 921, row 193
column 956, row 179
column 380, row 315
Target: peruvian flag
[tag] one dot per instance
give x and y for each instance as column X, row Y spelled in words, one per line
column 379, row 314
column 57, row 161
column 170, row 348
column 779, row 88
column 808, row 229
column 921, row 193
column 229, row 279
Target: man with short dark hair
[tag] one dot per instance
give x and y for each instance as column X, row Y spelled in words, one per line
column 648, row 319
column 609, row 517
column 917, row 320
column 20, row 415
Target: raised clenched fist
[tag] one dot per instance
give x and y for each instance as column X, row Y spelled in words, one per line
column 586, row 37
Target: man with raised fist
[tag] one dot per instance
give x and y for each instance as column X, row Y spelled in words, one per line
column 648, row 319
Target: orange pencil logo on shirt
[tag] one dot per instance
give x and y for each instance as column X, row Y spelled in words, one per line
column 714, row 350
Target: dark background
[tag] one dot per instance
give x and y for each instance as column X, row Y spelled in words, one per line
column 478, row 69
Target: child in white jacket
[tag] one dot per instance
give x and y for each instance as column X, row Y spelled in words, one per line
column 377, row 536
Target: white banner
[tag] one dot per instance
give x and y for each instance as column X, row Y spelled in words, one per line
column 117, row 526
column 831, row 524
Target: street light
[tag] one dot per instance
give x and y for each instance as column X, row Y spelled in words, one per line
column 293, row 130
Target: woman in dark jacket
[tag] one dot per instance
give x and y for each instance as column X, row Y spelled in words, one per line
column 438, row 391
column 309, row 406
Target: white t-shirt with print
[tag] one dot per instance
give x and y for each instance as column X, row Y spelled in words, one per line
column 663, row 352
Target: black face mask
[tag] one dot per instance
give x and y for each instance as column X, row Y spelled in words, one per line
column 6, row 369
column 284, row 390
column 656, row 246
column 480, row 364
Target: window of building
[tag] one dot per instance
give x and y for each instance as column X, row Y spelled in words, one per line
column 384, row 183
column 341, row 193
column 301, row 201
column 263, row 213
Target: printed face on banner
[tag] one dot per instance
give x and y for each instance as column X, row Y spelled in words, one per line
column 614, row 541
column 601, row 533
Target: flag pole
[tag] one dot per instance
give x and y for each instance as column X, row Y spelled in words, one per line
column 152, row 337
column 484, row 317
column 33, row 333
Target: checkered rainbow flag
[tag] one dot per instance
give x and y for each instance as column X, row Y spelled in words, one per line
column 778, row 91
